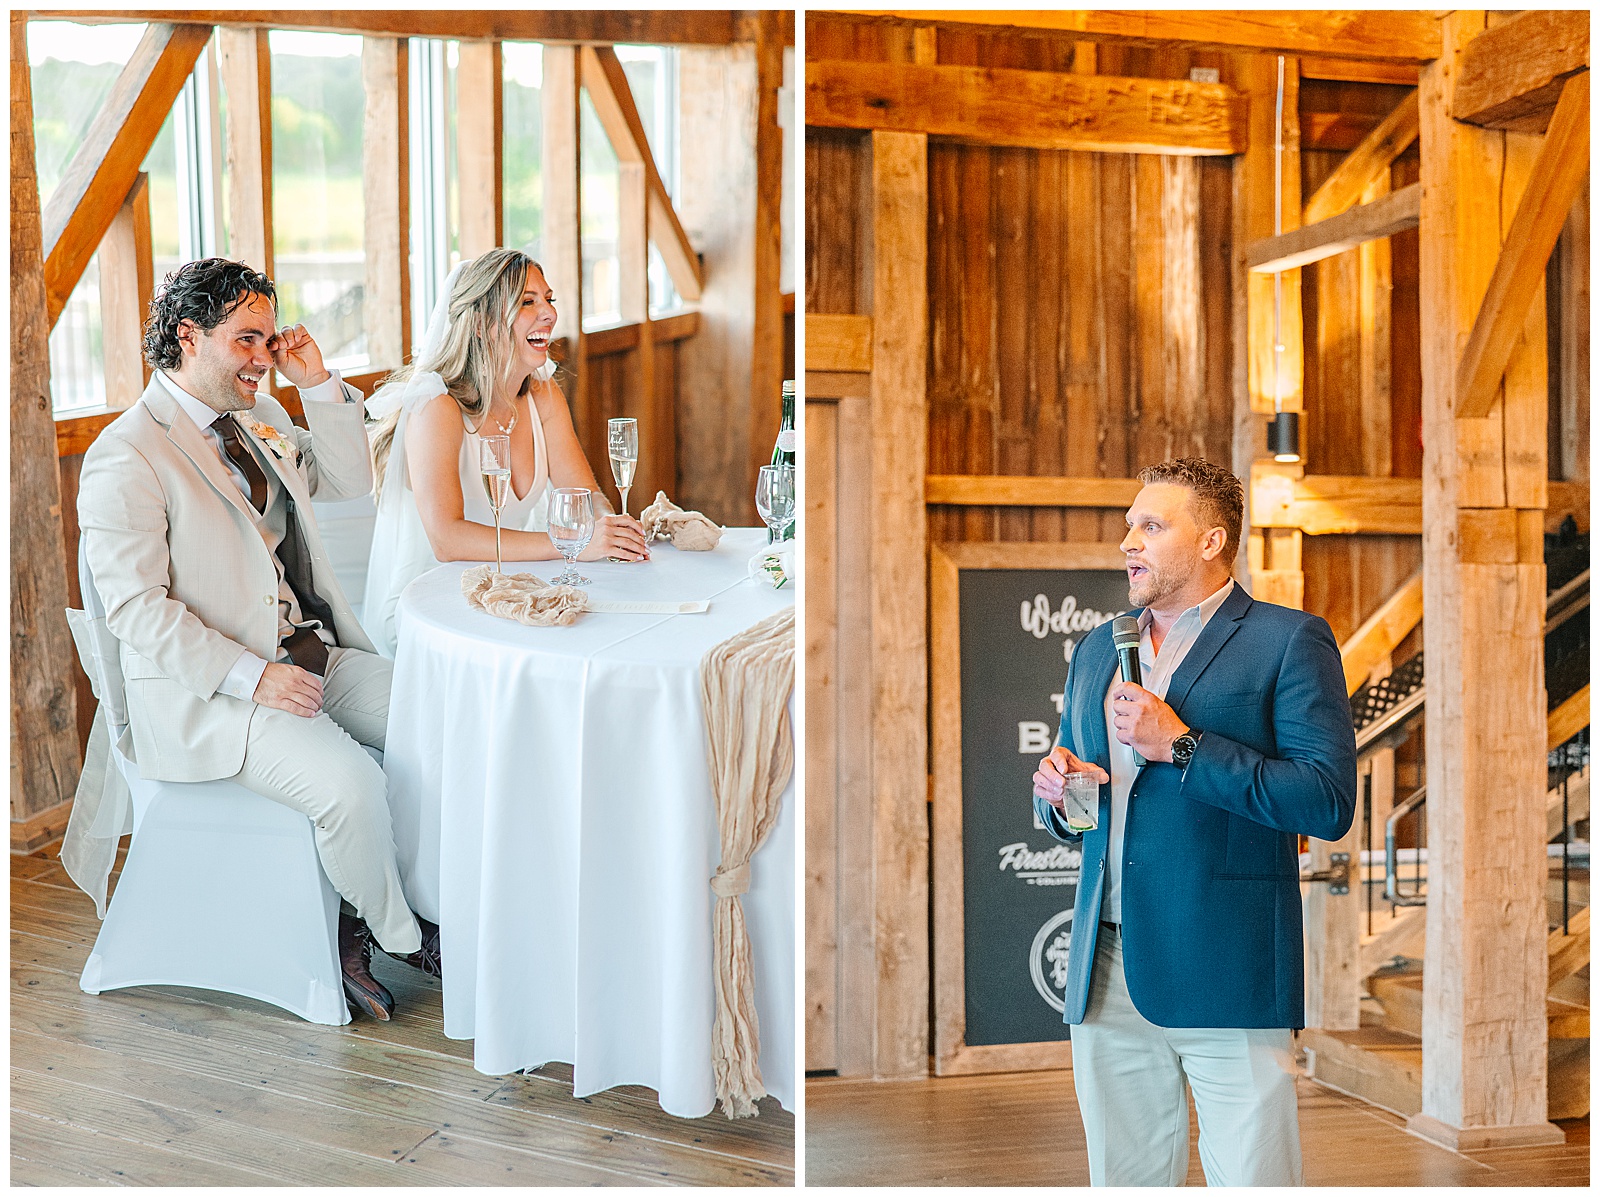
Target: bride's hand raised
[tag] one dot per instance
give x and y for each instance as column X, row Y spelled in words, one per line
column 619, row 536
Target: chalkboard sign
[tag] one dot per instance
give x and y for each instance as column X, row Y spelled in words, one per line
column 1005, row 620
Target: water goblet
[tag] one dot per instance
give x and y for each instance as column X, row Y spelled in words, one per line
column 571, row 529
column 775, row 498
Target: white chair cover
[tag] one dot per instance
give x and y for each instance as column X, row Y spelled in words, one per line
column 222, row 888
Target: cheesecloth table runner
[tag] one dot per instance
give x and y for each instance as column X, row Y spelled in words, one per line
column 554, row 813
column 745, row 684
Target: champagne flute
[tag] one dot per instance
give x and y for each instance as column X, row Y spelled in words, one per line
column 571, row 529
column 494, row 462
column 775, row 498
column 622, row 440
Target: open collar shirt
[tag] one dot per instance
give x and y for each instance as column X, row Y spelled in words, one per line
column 1156, row 670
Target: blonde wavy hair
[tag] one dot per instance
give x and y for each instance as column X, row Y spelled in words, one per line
column 476, row 354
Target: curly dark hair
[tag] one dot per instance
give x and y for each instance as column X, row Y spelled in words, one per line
column 205, row 292
column 1218, row 496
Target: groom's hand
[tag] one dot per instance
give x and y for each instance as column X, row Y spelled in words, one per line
column 290, row 688
column 297, row 357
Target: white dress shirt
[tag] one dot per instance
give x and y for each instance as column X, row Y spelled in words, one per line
column 1156, row 670
column 245, row 675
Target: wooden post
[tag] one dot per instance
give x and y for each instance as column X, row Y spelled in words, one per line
column 717, row 369
column 898, row 525
column 480, row 141
column 245, row 67
column 561, row 240
column 766, row 351
column 126, row 272
column 1273, row 561
column 386, row 179
column 1484, row 1021
column 1376, row 286
column 1573, row 251
column 44, row 739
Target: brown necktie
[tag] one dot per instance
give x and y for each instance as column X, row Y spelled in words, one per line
column 233, row 445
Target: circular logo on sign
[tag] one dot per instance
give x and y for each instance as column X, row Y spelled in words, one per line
column 1048, row 961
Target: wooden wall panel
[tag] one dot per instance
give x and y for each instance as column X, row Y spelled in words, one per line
column 837, row 236
column 1079, row 308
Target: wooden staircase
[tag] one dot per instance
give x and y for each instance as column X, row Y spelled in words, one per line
column 1381, row 1062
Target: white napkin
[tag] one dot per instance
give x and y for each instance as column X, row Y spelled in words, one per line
column 774, row 564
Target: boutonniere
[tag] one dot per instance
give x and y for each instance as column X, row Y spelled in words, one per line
column 282, row 447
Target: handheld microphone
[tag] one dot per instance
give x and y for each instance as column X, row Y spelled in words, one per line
column 1125, row 635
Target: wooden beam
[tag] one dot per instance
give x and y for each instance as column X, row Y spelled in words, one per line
column 841, row 344
column 386, row 190
column 480, row 146
column 1313, row 242
column 245, row 67
column 126, row 282
column 767, row 370
column 101, row 173
column 1254, row 196
column 1038, row 109
column 44, row 738
column 1359, row 35
column 1365, row 163
column 1557, row 177
column 1513, row 73
column 1345, row 70
column 898, row 532
column 1384, row 629
column 635, row 27
column 1403, row 936
column 979, row 490
column 561, row 238
column 1568, row 719
column 608, row 89
column 1374, row 315
column 1484, row 1017
column 1323, row 504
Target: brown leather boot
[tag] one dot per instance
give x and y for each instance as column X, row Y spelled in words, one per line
column 355, row 958
column 427, row 958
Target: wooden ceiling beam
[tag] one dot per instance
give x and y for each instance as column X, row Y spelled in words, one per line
column 607, row 85
column 1365, row 163
column 1038, row 109
column 677, row 27
column 1313, row 242
column 102, row 172
column 1556, row 179
column 1357, row 35
column 1513, row 73
column 1342, row 70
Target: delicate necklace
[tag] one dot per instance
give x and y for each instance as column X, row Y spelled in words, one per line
column 505, row 429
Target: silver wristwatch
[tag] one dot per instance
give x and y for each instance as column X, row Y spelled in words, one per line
column 1183, row 748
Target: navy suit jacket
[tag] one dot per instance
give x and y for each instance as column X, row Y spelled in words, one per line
column 1211, row 922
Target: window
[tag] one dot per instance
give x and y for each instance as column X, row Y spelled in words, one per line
column 653, row 78
column 73, row 68
column 600, row 181
column 523, row 158
column 318, row 116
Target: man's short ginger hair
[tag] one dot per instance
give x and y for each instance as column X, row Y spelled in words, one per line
column 1217, row 497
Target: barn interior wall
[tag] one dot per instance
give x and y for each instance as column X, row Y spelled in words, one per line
column 1079, row 306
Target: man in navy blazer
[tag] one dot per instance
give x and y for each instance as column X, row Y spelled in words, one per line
column 1185, row 967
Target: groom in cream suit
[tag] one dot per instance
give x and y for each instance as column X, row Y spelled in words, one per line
column 241, row 656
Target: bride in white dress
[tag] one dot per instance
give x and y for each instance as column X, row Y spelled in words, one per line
column 489, row 335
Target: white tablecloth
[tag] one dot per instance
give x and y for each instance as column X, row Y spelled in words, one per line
column 554, row 814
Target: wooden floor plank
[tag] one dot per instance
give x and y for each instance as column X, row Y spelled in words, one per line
column 985, row 1130
column 385, row 1139
column 102, row 1159
column 172, row 1067
column 209, row 1139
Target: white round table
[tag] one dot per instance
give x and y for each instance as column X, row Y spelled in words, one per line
column 554, row 814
